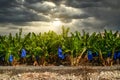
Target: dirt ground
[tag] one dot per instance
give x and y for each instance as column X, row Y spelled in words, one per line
column 59, row 73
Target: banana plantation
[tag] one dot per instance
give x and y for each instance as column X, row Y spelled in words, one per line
column 50, row 48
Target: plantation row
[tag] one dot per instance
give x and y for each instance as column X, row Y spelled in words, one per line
column 52, row 48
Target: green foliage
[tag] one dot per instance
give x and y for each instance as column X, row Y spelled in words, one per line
column 46, row 44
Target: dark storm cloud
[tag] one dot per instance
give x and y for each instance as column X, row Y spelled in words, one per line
column 107, row 15
column 69, row 13
column 66, row 14
column 18, row 11
column 83, row 3
column 107, row 12
column 20, row 15
column 15, row 11
column 85, row 14
column 34, row 1
column 41, row 7
column 6, row 3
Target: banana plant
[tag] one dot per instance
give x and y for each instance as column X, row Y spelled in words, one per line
column 46, row 45
column 83, row 44
column 112, row 41
column 100, row 46
column 75, row 46
column 2, row 51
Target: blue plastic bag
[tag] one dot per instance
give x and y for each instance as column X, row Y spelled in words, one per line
column 90, row 56
column 23, row 54
column 118, row 55
column 11, row 58
column 60, row 55
column 115, row 56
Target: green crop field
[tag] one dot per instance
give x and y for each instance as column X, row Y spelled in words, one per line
column 42, row 49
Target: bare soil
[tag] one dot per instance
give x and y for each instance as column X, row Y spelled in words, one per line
column 60, row 72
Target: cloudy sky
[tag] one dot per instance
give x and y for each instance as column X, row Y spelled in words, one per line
column 44, row 15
